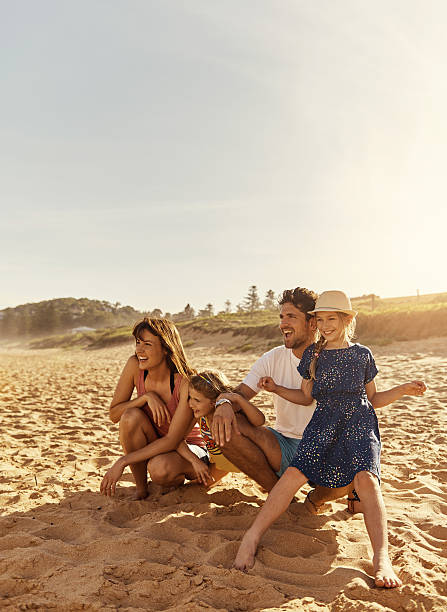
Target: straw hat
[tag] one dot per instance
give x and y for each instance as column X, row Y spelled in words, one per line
column 333, row 301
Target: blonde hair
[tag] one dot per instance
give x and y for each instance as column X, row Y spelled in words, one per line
column 170, row 341
column 210, row 383
column 348, row 333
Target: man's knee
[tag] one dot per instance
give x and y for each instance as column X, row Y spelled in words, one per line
column 238, row 441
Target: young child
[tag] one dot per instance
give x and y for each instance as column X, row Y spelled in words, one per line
column 341, row 443
column 204, row 389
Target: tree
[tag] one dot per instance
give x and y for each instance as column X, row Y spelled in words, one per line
column 269, row 302
column 227, row 306
column 156, row 314
column 208, row 311
column 188, row 312
column 251, row 300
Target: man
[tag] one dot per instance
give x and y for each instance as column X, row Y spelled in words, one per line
column 264, row 453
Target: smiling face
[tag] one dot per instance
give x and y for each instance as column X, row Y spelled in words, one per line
column 149, row 350
column 199, row 404
column 297, row 331
column 331, row 326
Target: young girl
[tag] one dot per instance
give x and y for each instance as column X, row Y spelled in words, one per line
column 204, row 389
column 341, row 444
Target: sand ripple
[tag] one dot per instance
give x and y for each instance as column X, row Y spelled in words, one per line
column 65, row 547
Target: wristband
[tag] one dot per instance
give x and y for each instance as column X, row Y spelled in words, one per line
column 222, row 401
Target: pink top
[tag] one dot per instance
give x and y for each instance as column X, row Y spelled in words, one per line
column 194, row 436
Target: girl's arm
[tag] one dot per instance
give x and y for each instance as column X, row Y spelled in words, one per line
column 379, row 399
column 301, row 396
column 178, row 429
column 253, row 414
column 200, row 468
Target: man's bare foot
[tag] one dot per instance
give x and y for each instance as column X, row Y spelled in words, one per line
column 245, row 558
column 384, row 574
column 312, row 508
column 140, row 494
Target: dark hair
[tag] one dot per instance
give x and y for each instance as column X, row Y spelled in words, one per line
column 303, row 299
column 170, row 340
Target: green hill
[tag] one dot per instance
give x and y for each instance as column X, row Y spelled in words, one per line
column 391, row 319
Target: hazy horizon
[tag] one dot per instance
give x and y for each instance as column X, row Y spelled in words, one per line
column 159, row 154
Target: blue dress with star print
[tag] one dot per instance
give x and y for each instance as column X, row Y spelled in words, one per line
column 343, row 436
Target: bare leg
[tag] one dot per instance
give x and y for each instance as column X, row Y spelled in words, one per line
column 256, row 452
column 136, row 431
column 320, row 495
column 374, row 511
column 170, row 469
column 277, row 502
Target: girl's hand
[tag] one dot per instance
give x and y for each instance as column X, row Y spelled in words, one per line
column 268, row 384
column 108, row 484
column 202, row 473
column 156, row 409
column 415, row 387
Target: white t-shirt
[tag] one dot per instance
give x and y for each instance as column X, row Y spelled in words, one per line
column 281, row 364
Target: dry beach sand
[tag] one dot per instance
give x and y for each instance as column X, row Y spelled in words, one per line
column 65, row 547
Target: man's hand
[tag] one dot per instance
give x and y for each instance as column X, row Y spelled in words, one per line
column 268, row 384
column 156, row 409
column 224, row 424
column 108, row 484
column 415, row 387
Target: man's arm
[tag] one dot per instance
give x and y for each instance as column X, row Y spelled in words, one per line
column 224, row 419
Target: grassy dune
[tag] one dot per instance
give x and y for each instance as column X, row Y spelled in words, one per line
column 393, row 319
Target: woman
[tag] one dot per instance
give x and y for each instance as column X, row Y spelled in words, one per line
column 154, row 424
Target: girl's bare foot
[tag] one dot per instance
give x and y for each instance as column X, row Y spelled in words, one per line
column 313, row 508
column 245, row 558
column 384, row 574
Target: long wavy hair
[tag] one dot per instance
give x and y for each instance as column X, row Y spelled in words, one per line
column 171, row 342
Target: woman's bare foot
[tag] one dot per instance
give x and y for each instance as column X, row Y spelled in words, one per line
column 384, row 574
column 140, row 494
column 245, row 558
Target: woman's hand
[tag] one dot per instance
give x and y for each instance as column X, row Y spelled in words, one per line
column 415, row 387
column 156, row 409
column 268, row 384
column 202, row 473
column 108, row 484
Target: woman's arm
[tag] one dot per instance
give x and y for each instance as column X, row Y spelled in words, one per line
column 301, row 396
column 156, row 409
column 253, row 414
column 178, row 429
column 380, row 399
column 123, row 392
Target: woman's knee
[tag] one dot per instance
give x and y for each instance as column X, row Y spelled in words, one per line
column 161, row 470
column 131, row 420
column 365, row 480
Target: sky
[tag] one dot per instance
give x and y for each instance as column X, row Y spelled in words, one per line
column 164, row 153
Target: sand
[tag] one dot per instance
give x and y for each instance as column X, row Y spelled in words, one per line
column 63, row 546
